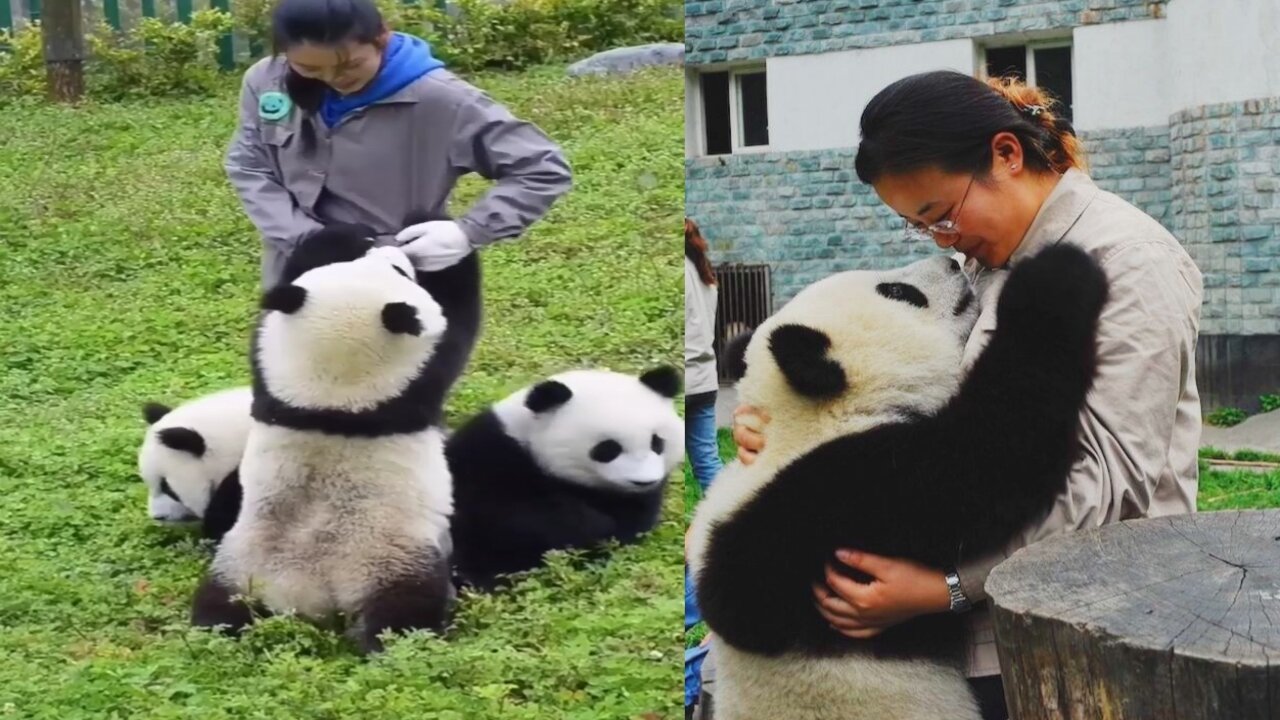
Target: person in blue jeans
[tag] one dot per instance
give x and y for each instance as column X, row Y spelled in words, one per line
column 701, row 384
column 700, row 379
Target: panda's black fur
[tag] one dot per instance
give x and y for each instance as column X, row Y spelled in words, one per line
column 962, row 480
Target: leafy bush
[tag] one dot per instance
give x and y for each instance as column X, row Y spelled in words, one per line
column 153, row 59
column 22, row 72
column 1269, row 402
column 1226, row 417
column 484, row 34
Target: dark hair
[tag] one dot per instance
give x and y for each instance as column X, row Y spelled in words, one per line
column 320, row 22
column 946, row 119
column 695, row 248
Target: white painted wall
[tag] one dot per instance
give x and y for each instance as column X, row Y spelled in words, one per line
column 1223, row 51
column 1122, row 74
column 815, row 101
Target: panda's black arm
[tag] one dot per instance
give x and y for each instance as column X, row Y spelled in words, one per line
column 754, row 586
column 995, row 457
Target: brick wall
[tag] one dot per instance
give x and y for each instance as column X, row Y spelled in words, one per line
column 1224, row 164
column 726, row 30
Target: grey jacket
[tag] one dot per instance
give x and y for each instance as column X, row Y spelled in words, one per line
column 381, row 162
column 699, row 333
column 1140, row 428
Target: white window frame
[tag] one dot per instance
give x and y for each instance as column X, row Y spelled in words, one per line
column 694, row 88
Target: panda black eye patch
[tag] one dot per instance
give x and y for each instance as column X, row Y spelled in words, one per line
column 657, row 445
column 164, row 488
column 903, row 292
column 606, row 451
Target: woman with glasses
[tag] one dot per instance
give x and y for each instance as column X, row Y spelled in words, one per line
column 989, row 171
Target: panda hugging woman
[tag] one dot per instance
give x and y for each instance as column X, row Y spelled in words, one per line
column 903, row 431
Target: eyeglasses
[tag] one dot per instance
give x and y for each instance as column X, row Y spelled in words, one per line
column 946, row 227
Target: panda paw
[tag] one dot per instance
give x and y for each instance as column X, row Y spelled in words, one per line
column 1057, row 296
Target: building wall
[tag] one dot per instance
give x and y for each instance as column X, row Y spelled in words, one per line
column 729, row 30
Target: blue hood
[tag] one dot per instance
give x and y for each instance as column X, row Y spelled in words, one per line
column 406, row 59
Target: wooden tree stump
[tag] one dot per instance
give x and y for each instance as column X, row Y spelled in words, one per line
column 1167, row 618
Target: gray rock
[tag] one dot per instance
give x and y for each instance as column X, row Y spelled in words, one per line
column 627, row 59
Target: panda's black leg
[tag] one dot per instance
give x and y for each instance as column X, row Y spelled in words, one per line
column 215, row 604
column 422, row 600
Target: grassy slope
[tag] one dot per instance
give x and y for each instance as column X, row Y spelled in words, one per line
column 128, row 272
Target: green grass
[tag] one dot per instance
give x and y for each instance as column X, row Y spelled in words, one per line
column 128, row 272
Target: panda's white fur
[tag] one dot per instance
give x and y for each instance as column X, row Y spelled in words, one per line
column 901, row 360
column 221, row 422
column 347, row 492
column 876, row 441
column 570, row 462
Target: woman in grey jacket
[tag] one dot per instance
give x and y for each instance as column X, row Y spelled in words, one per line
column 988, row 171
column 350, row 122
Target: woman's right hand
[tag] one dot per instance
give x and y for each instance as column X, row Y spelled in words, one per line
column 748, row 429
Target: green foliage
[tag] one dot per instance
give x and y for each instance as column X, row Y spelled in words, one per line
column 153, row 59
column 130, row 274
column 22, row 72
column 1226, row 417
column 485, row 34
column 158, row 58
column 1238, row 489
column 1212, row 453
column 1269, row 402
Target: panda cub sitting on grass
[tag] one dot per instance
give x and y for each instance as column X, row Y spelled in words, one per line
column 347, row 493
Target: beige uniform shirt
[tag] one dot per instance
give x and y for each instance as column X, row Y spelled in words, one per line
column 1140, row 427
column 399, row 155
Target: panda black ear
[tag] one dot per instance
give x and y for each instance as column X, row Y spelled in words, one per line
column 284, row 298
column 186, row 439
column 801, row 354
column 734, row 356
column 401, row 319
column 663, row 380
column 547, row 395
column 152, row 412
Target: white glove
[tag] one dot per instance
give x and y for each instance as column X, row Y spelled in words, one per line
column 434, row 245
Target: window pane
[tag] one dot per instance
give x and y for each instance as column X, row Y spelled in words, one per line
column 715, row 112
column 1007, row 61
column 754, row 103
column 1053, row 73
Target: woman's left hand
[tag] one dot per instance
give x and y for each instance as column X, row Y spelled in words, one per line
column 434, row 245
column 899, row 590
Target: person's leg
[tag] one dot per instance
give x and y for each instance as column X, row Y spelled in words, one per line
column 700, row 438
column 990, row 693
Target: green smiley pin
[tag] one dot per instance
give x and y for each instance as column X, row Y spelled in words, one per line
column 274, row 106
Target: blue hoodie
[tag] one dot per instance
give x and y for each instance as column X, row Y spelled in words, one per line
column 406, row 59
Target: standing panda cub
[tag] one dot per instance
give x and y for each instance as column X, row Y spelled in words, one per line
column 876, row 443
column 571, row 462
column 346, row 490
column 190, row 459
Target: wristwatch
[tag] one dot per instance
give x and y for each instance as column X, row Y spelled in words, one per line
column 959, row 603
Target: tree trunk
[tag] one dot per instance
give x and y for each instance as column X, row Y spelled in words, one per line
column 62, row 31
column 1174, row 617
